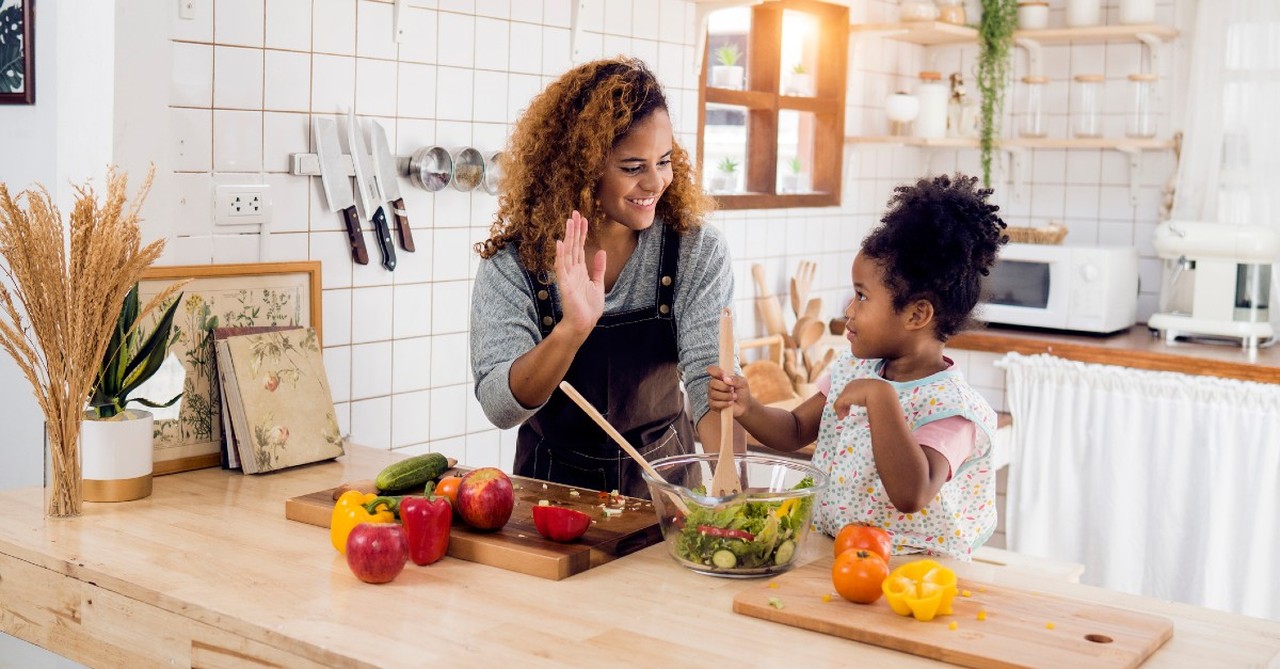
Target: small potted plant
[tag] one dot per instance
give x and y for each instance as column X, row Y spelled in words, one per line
column 726, row 178
column 792, row 177
column 799, row 81
column 116, row 442
column 728, row 73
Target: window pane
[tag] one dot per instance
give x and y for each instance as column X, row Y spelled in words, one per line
column 728, row 42
column 795, row 152
column 724, row 145
column 799, row 53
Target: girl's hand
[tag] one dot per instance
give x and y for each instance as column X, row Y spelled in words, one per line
column 581, row 291
column 728, row 391
column 858, row 392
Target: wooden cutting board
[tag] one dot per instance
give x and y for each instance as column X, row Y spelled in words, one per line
column 518, row 546
column 1021, row 629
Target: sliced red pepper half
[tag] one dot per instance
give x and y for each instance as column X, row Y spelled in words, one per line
column 559, row 523
column 725, row 533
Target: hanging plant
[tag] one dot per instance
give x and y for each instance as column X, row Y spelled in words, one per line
column 995, row 47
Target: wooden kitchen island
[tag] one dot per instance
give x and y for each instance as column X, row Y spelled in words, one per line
column 207, row 572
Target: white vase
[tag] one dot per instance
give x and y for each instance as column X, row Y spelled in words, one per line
column 800, row 84
column 115, row 457
column 727, row 76
column 724, row 183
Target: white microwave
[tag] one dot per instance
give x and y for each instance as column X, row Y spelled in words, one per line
column 1079, row 288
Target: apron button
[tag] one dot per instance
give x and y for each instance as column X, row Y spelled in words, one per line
column 666, row 281
column 664, row 309
column 548, row 321
column 542, row 295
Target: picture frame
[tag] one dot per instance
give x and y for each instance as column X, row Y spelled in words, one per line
column 17, row 52
column 188, row 435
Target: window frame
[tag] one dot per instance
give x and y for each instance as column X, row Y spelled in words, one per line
column 764, row 102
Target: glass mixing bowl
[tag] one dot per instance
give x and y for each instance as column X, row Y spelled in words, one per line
column 756, row 532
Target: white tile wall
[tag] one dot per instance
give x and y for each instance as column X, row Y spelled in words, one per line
column 248, row 76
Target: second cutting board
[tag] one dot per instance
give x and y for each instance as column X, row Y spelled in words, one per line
column 1020, row 628
column 518, row 546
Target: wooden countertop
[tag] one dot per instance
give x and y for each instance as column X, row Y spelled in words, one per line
column 1134, row 347
column 207, row 572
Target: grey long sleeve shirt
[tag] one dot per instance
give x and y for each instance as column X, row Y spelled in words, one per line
column 504, row 320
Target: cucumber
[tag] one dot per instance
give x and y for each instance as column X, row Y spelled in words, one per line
column 785, row 552
column 724, row 559
column 411, row 472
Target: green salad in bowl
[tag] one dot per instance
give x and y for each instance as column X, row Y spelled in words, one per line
column 756, row 532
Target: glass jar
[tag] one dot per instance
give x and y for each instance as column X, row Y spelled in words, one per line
column 1033, row 15
column 1086, row 107
column 901, row 109
column 962, row 111
column 951, row 11
column 917, row 10
column 1137, row 11
column 1084, row 13
column 931, row 122
column 1033, row 123
column 1141, row 121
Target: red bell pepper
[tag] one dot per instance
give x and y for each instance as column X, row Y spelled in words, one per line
column 559, row 523
column 427, row 523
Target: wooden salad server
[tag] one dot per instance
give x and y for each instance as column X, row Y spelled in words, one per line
column 725, row 481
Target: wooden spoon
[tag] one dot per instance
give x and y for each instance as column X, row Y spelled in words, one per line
column 617, row 437
column 725, row 481
column 808, row 332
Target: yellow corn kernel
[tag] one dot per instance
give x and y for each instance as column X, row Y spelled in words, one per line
column 966, row 593
column 773, row 584
column 1048, row 626
column 982, row 615
column 953, row 625
column 826, row 598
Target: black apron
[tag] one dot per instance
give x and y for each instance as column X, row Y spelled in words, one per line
column 627, row 369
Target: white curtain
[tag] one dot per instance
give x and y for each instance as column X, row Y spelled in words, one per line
column 1231, row 129
column 1161, row 484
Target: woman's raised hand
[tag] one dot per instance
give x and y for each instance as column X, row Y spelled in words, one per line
column 581, row 287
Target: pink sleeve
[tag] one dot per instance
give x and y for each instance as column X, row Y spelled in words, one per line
column 824, row 385
column 953, row 437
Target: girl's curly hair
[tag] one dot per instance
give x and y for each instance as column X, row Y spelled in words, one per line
column 936, row 242
column 557, row 153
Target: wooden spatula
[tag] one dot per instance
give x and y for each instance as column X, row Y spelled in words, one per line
column 725, row 481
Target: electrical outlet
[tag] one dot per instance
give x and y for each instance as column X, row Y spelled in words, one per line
column 242, row 205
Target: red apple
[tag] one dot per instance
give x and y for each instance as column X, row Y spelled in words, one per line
column 559, row 523
column 485, row 498
column 376, row 552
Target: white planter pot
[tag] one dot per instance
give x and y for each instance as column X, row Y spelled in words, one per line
column 724, row 183
column 799, row 84
column 115, row 457
column 727, row 76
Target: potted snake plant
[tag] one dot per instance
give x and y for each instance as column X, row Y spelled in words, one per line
column 115, row 441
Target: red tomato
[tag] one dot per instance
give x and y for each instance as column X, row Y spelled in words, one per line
column 857, row 575
column 725, row 533
column 558, row 523
column 448, row 488
column 864, row 537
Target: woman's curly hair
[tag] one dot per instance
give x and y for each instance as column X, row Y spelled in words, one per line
column 557, row 153
column 936, row 242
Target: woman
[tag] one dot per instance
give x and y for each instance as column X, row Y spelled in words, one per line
column 598, row 271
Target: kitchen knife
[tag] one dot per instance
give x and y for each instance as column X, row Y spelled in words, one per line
column 384, row 167
column 369, row 195
column 337, row 190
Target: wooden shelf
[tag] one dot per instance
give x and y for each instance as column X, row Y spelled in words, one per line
column 925, row 33
column 1020, row 143
column 934, row 33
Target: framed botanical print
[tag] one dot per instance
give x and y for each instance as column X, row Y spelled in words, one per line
column 17, row 52
column 188, row 435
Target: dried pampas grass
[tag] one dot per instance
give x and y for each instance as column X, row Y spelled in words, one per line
column 60, row 302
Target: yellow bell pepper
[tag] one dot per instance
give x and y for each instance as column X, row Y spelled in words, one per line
column 922, row 588
column 349, row 511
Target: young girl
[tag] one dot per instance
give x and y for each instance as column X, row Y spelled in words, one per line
column 905, row 441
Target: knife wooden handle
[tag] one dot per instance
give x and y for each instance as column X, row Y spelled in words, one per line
column 352, row 220
column 385, row 245
column 402, row 224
